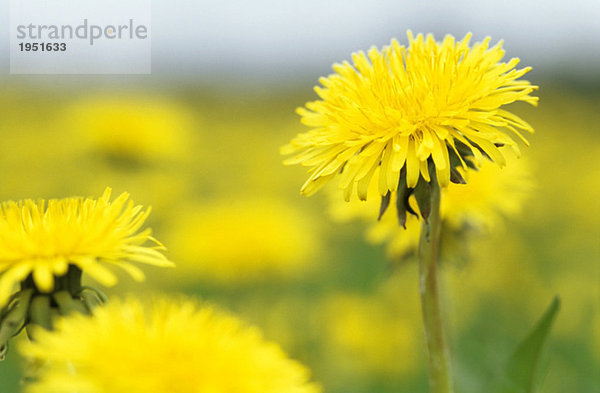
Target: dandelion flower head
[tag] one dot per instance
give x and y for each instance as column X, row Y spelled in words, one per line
column 176, row 346
column 42, row 239
column 407, row 110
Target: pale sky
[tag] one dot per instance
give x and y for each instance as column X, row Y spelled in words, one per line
column 274, row 39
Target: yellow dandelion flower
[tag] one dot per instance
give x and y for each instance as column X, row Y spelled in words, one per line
column 43, row 239
column 407, row 110
column 245, row 240
column 176, row 346
column 131, row 126
column 492, row 194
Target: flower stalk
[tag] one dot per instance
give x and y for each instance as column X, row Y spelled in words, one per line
column 438, row 354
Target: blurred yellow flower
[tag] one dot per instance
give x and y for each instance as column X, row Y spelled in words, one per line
column 492, row 193
column 402, row 110
column 177, row 346
column 43, row 239
column 132, row 126
column 244, row 240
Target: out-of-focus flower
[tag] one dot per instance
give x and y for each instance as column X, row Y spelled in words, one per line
column 244, row 240
column 396, row 114
column 45, row 248
column 43, row 239
column 176, row 346
column 132, row 127
column 491, row 194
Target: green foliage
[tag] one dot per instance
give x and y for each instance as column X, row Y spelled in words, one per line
column 521, row 374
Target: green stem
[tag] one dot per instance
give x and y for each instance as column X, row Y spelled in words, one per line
column 440, row 380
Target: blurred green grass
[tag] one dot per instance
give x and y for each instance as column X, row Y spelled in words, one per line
column 225, row 147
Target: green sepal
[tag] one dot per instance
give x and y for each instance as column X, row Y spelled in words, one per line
column 402, row 195
column 521, row 371
column 67, row 304
column 455, row 160
column 422, row 194
column 385, row 202
column 39, row 311
column 96, row 291
column 456, row 177
column 465, row 153
column 15, row 319
column 463, row 150
column 91, row 299
column 471, row 164
column 9, row 304
column 74, row 279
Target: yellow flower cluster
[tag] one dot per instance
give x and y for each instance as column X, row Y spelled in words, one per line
column 402, row 111
column 176, row 346
column 44, row 238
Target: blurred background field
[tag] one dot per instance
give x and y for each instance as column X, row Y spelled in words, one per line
column 199, row 141
column 242, row 236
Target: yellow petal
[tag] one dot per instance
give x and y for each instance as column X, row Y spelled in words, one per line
column 43, row 278
column 412, row 166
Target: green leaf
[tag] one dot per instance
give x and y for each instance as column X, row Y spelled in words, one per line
column 521, row 372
